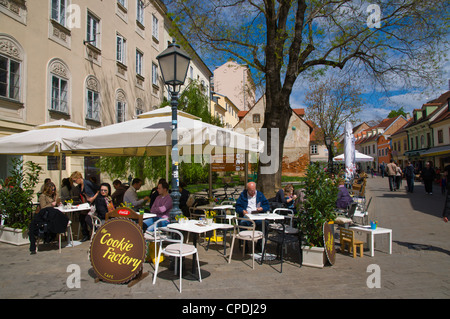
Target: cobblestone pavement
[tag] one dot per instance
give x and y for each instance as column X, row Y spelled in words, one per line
column 417, row 268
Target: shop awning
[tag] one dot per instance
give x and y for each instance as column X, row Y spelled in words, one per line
column 415, row 153
column 435, row 151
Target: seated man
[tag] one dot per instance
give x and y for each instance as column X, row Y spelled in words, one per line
column 251, row 200
column 161, row 207
column 119, row 192
column 131, row 197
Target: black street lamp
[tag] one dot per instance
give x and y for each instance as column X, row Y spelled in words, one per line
column 330, row 153
column 174, row 64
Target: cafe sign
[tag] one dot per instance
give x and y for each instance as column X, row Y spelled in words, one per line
column 118, row 251
column 328, row 240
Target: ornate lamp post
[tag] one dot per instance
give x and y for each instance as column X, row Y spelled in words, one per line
column 174, row 64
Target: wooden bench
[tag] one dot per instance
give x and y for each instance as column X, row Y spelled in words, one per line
column 347, row 237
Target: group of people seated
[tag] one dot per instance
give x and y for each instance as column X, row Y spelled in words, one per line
column 100, row 196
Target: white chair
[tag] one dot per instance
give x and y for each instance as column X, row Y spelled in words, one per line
column 177, row 250
column 289, row 213
column 247, row 233
column 96, row 224
column 154, row 236
column 68, row 234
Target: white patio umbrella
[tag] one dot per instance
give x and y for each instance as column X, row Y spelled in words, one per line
column 349, row 150
column 359, row 157
column 150, row 135
column 44, row 140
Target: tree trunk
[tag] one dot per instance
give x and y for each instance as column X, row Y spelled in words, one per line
column 273, row 132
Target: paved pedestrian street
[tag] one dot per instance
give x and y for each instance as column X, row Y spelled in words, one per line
column 418, row 267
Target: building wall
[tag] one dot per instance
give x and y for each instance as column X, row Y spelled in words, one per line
column 234, row 80
column 49, row 50
column 224, row 108
column 296, row 144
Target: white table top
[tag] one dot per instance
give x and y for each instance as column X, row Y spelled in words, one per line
column 75, row 208
column 378, row 230
column 149, row 215
column 264, row 216
column 210, row 207
column 194, row 226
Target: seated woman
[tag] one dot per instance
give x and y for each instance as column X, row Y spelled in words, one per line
column 48, row 196
column 286, row 196
column 161, row 207
column 103, row 204
column 344, row 199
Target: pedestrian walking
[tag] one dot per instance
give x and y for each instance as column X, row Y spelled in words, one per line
column 409, row 174
column 391, row 170
column 428, row 175
column 398, row 177
column 382, row 169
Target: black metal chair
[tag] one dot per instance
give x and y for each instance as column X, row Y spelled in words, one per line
column 282, row 235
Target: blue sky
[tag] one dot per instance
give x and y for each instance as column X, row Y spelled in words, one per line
column 377, row 102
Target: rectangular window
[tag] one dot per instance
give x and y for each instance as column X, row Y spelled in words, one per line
column 314, row 149
column 154, row 74
column 93, row 106
column 440, row 135
column 139, row 62
column 121, row 49
column 59, row 11
column 9, row 78
column 122, row 3
column 155, row 27
column 59, row 95
column 256, row 118
column 92, row 30
column 140, row 12
column 120, row 111
column 53, row 163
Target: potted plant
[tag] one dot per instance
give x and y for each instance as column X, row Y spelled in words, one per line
column 16, row 201
column 318, row 208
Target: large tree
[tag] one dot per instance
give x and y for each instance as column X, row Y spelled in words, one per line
column 283, row 40
column 330, row 103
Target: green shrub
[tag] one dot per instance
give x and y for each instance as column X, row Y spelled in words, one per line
column 16, row 197
column 319, row 205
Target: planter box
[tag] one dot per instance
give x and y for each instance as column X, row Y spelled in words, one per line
column 13, row 236
column 314, row 256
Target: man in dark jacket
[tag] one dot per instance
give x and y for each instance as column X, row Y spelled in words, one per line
column 428, row 175
column 409, row 174
column 251, row 201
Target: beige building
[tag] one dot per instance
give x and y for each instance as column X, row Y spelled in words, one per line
column 224, row 109
column 235, row 81
column 296, row 152
column 89, row 62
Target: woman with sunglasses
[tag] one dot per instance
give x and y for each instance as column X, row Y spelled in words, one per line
column 103, row 203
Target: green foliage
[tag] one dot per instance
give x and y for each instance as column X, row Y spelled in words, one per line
column 395, row 113
column 319, row 205
column 17, row 194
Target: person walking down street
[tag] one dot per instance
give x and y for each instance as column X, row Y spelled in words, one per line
column 391, row 170
column 398, row 177
column 409, row 174
column 428, row 175
column 382, row 169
